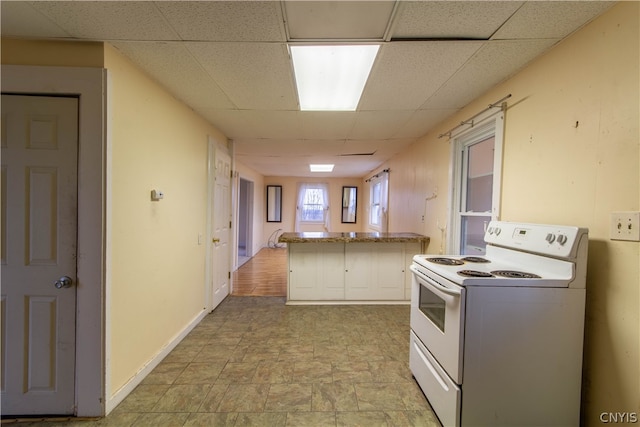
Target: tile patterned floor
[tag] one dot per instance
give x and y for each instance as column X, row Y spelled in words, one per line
column 256, row 362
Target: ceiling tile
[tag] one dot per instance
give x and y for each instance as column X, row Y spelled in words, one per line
column 198, row 91
column 229, row 61
column 550, row 19
column 270, row 157
column 379, row 124
column 338, row 19
column 253, row 75
column 273, row 166
column 391, row 147
column 422, row 121
column 327, row 124
column 493, row 63
column 288, row 147
column 405, row 74
column 452, row 19
column 225, row 20
column 108, row 20
column 256, row 123
column 20, row 19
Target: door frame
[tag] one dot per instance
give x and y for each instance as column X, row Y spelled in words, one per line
column 246, row 221
column 90, row 85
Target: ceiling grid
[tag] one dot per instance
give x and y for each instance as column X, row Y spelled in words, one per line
column 229, row 61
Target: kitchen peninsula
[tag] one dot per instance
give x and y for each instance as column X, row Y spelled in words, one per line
column 351, row 268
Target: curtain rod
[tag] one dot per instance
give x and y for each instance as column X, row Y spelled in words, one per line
column 469, row 121
column 377, row 175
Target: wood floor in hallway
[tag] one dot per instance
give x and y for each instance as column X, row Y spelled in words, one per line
column 263, row 275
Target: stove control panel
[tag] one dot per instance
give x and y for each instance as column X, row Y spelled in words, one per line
column 554, row 240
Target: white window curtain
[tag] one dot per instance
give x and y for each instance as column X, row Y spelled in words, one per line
column 313, row 205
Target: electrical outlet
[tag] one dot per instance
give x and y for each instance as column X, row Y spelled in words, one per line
column 625, row 226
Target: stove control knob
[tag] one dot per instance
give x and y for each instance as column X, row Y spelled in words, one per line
column 498, row 231
column 562, row 239
column 490, row 230
column 550, row 237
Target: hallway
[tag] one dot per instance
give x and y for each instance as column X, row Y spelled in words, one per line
column 265, row 274
column 255, row 361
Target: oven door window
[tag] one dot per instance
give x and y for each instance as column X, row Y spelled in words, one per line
column 432, row 306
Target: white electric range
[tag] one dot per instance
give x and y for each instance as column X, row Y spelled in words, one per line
column 497, row 340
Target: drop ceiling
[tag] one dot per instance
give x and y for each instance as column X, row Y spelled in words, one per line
column 229, row 61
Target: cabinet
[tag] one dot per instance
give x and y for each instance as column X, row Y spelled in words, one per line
column 316, row 271
column 353, row 271
column 374, row 271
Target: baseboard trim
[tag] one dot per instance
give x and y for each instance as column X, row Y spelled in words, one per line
column 349, row 302
column 126, row 389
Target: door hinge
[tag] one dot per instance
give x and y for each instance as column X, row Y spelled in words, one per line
column 229, row 275
column 229, row 224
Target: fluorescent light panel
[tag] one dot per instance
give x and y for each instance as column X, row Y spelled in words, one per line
column 321, row 168
column 332, row 77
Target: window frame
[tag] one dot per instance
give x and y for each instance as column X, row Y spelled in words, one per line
column 381, row 205
column 325, row 222
column 491, row 125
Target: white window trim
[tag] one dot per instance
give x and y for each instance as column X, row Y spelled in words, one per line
column 492, row 123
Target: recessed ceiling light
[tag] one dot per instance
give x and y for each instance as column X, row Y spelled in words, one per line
column 332, row 77
column 321, row 168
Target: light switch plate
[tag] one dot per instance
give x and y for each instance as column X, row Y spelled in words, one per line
column 625, row 226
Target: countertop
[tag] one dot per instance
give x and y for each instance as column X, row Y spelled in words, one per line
column 323, row 237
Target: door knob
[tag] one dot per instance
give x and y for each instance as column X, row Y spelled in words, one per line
column 215, row 240
column 63, row 282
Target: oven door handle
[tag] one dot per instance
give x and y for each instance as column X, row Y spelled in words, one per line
column 434, row 284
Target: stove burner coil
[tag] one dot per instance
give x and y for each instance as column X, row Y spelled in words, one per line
column 445, row 261
column 474, row 273
column 511, row 274
column 476, row 259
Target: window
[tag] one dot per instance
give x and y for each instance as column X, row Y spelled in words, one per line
column 376, row 206
column 378, row 202
column 477, row 162
column 313, row 205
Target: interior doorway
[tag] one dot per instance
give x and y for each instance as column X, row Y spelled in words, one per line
column 245, row 221
column 89, row 84
column 39, row 241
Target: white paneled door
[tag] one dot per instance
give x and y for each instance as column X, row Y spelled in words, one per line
column 39, row 229
column 221, row 228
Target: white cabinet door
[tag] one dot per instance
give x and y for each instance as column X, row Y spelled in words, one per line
column 374, row 271
column 316, row 271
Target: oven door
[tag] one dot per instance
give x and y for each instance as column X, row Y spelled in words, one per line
column 437, row 318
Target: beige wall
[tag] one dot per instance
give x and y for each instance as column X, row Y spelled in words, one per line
column 157, row 269
column 52, row 53
column 290, row 197
column 555, row 172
